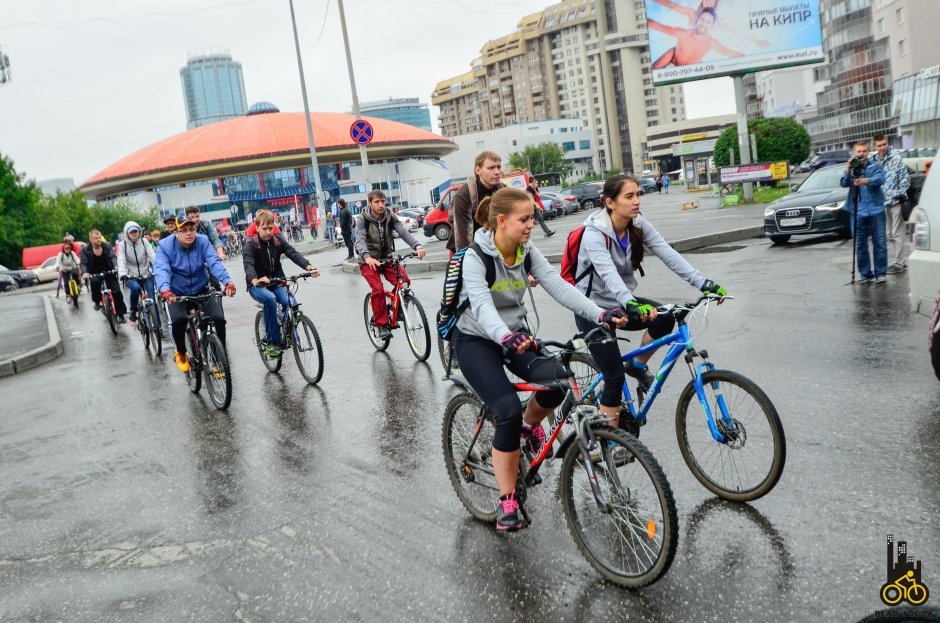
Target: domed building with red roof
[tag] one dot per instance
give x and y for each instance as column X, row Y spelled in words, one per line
column 262, row 160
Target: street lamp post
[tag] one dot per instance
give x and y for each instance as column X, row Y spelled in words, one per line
column 303, row 91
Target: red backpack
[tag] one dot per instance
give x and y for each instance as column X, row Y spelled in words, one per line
column 569, row 259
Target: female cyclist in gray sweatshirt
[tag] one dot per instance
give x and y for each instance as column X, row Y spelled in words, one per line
column 495, row 322
column 611, row 250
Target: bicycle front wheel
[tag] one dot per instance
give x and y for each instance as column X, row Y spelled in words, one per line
column 143, row 328
column 156, row 341
column 194, row 375
column 371, row 330
column 467, row 440
column 750, row 461
column 108, row 307
column 217, row 371
column 416, row 327
column 308, row 353
column 632, row 540
column 273, row 364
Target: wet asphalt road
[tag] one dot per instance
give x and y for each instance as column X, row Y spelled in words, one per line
column 125, row 497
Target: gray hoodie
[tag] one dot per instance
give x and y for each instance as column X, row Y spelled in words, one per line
column 494, row 312
column 134, row 258
column 613, row 281
column 369, row 240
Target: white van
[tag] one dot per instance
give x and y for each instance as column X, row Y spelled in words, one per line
column 923, row 266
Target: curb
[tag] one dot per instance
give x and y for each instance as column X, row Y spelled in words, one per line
column 38, row 356
column 682, row 245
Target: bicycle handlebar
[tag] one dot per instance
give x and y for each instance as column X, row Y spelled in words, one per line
column 277, row 281
column 572, row 344
column 398, row 259
column 198, row 298
column 105, row 273
column 684, row 308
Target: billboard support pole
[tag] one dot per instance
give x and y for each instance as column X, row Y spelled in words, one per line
column 744, row 146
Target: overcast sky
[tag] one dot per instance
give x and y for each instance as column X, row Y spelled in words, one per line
column 94, row 81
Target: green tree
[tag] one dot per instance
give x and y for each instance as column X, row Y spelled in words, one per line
column 542, row 158
column 777, row 139
column 20, row 221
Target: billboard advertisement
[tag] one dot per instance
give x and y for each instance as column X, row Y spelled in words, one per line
column 760, row 172
column 699, row 39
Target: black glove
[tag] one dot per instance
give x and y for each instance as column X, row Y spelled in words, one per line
column 608, row 316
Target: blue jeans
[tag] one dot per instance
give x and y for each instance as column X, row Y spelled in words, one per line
column 134, row 287
column 871, row 227
column 270, row 300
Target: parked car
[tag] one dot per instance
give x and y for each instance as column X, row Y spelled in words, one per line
column 415, row 215
column 588, row 194
column 569, row 204
column 409, row 223
column 24, row 278
column 647, row 184
column 7, row 283
column 837, row 156
column 814, row 207
column 46, row 271
column 553, row 208
column 807, row 165
column 435, row 223
column 923, row 266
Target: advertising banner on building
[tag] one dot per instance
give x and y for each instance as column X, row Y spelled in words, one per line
column 700, row 39
column 760, row 172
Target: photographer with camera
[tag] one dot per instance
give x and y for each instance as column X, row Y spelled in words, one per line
column 897, row 209
column 867, row 205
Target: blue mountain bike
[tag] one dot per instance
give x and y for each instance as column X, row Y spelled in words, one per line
column 742, row 457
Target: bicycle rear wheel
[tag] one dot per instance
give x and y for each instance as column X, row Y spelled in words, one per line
column 467, row 439
column 308, row 352
column 749, row 463
column 416, row 327
column 273, row 364
column 194, row 375
column 217, row 371
column 443, row 349
column 371, row 330
column 633, row 539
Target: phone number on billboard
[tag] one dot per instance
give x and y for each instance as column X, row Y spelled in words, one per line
column 683, row 71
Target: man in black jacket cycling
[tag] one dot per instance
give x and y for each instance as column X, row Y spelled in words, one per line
column 261, row 256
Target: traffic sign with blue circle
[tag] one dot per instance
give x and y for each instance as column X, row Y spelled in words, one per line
column 361, row 131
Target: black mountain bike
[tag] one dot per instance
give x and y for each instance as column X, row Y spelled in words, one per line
column 148, row 321
column 297, row 332
column 207, row 355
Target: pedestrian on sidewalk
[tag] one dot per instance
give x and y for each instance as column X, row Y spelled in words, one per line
column 666, row 184
column 346, row 226
column 659, row 184
column 330, row 227
column 533, row 190
column 315, row 223
column 897, row 181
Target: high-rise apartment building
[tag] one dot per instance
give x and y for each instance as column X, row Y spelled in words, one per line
column 213, row 89
column 578, row 59
column 408, row 110
column 856, row 103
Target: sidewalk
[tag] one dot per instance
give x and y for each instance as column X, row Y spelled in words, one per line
column 29, row 335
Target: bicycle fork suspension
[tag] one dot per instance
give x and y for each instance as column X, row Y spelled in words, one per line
column 711, row 419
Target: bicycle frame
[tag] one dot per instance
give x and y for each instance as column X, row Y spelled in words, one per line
column 681, row 342
column 394, row 294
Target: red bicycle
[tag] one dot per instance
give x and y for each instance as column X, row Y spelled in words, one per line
column 401, row 303
column 108, row 306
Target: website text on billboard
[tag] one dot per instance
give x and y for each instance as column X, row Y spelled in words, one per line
column 704, row 39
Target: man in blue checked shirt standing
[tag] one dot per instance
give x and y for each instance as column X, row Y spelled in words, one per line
column 897, row 181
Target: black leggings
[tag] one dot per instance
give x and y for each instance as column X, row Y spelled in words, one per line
column 607, row 355
column 481, row 362
column 178, row 317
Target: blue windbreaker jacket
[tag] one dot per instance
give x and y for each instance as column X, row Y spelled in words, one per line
column 183, row 271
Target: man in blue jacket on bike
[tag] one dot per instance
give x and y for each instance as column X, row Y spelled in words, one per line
column 867, row 203
column 180, row 269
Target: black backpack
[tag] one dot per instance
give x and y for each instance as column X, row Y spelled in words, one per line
column 451, row 309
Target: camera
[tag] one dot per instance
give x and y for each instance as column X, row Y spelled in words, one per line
column 856, row 165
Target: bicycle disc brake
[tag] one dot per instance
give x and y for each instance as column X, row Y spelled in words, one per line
column 735, row 435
